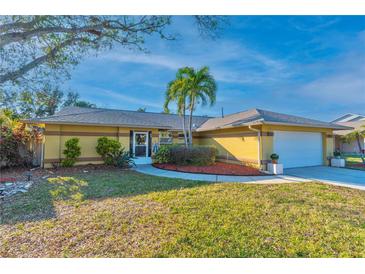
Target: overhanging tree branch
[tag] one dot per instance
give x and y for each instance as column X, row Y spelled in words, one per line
column 12, row 76
column 23, row 40
column 14, row 37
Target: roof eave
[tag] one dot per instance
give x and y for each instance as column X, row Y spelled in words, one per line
column 94, row 124
column 257, row 122
column 308, row 125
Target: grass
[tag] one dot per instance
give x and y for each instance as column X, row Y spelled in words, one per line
column 353, row 161
column 126, row 214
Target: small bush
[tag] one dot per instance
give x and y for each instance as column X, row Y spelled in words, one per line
column 163, row 155
column 180, row 155
column 337, row 153
column 274, row 156
column 13, row 148
column 108, row 149
column 124, row 159
column 113, row 153
column 72, row 151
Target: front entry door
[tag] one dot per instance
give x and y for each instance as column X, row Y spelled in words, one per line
column 140, row 144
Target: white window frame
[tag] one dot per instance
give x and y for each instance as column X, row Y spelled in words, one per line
column 134, row 141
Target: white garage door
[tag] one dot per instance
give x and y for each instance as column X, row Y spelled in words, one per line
column 298, row 149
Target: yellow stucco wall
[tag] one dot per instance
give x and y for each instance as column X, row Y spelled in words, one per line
column 239, row 145
column 57, row 135
column 233, row 145
column 245, row 149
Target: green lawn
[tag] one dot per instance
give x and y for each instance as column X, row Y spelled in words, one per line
column 353, row 161
column 126, row 214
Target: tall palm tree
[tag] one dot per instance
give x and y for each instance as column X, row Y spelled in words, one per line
column 356, row 136
column 177, row 92
column 202, row 90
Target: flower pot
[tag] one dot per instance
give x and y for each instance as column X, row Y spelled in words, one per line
column 337, row 162
column 275, row 168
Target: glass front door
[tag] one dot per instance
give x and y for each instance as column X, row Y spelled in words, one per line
column 140, row 147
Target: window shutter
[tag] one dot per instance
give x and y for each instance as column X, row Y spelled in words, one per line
column 131, row 143
column 149, row 143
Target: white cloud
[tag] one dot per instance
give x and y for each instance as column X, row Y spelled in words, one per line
column 316, row 24
column 117, row 99
column 230, row 61
column 131, row 99
column 141, row 58
column 341, row 88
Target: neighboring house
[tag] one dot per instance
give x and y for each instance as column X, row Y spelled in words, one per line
column 247, row 137
column 355, row 121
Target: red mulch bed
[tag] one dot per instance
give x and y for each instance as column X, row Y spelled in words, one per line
column 358, row 165
column 216, row 169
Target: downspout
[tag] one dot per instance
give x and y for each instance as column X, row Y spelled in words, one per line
column 42, row 150
column 258, row 144
column 59, row 146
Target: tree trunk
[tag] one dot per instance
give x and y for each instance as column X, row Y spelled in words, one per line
column 184, row 129
column 191, row 122
column 360, row 149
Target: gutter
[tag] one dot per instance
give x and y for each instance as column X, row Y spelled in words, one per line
column 334, row 127
column 263, row 122
column 94, row 124
column 258, row 144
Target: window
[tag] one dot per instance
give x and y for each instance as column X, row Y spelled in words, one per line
column 181, row 135
column 165, row 137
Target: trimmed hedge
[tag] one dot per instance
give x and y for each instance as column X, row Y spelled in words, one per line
column 72, row 152
column 180, row 155
column 108, row 149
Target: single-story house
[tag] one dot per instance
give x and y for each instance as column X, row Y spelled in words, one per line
column 247, row 137
column 354, row 121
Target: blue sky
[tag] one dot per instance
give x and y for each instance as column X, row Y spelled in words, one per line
column 302, row 65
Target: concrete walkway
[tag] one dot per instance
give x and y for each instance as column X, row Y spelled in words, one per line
column 150, row 170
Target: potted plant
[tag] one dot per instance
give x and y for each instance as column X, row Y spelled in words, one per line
column 274, row 158
column 274, row 167
column 337, row 154
column 337, row 160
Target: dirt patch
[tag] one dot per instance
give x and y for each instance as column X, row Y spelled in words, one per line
column 216, row 169
column 20, row 173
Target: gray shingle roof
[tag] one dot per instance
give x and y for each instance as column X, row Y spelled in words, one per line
column 350, row 117
column 112, row 117
column 259, row 116
column 356, row 125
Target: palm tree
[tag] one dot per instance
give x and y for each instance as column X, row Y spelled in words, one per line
column 356, row 136
column 202, row 90
column 177, row 92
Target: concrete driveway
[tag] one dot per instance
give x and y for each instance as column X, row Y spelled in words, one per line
column 339, row 176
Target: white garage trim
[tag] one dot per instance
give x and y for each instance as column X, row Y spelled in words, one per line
column 298, row 149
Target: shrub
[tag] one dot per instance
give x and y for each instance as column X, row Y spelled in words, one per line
column 124, row 159
column 163, row 155
column 13, row 145
column 195, row 155
column 108, row 149
column 337, row 153
column 72, row 151
column 274, row 157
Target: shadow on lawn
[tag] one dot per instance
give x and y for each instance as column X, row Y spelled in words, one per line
column 38, row 203
column 34, row 205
